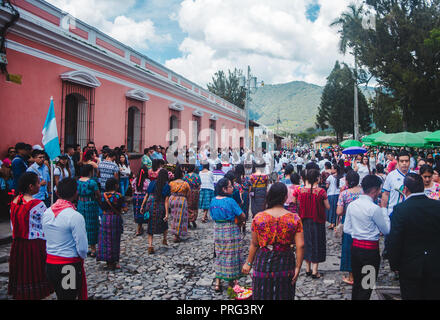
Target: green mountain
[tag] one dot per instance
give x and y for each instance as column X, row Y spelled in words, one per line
column 296, row 103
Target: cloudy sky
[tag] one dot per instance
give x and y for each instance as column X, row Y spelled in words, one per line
column 282, row 40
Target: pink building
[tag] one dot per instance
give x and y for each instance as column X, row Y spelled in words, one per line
column 103, row 90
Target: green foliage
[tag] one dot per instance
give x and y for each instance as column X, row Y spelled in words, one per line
column 337, row 103
column 402, row 53
column 227, row 87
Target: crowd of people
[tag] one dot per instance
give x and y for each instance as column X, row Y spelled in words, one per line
column 293, row 196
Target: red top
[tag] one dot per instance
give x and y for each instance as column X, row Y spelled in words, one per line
column 26, row 218
column 311, row 204
column 392, row 165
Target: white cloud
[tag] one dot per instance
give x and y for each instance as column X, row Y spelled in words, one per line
column 273, row 37
column 113, row 18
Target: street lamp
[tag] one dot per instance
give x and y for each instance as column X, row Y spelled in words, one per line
column 248, row 84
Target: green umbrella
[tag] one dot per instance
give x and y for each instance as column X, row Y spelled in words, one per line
column 383, row 139
column 433, row 137
column 405, row 139
column 350, row 143
column 373, row 136
column 423, row 134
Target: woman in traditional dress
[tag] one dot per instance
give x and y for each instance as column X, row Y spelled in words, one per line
column 206, row 190
column 109, row 242
column 243, row 184
column 345, row 198
column 227, row 239
column 89, row 197
column 274, row 232
column 139, row 186
column 312, row 202
column 180, row 191
column 259, row 182
column 27, row 261
column 295, row 180
column 194, row 182
column 156, row 202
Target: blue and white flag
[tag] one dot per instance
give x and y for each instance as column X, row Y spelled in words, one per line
column 50, row 133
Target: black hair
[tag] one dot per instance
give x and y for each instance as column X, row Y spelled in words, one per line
column 379, row 168
column 111, row 184
column 155, row 164
column 295, row 178
column 178, row 173
column 403, row 153
column 218, row 166
column 276, row 195
column 231, row 176
column 28, row 147
column 146, row 150
column 239, row 172
column 430, row 160
column 26, row 179
column 67, row 188
column 328, row 165
column 191, row 168
column 414, row 183
column 312, row 166
column 288, row 170
column 206, row 166
column 20, row 146
column 85, row 170
column 352, row 179
column 221, row 184
column 36, row 152
column 111, row 154
column 162, row 179
column 339, row 174
column 140, row 179
column 348, row 169
column 426, row 168
column 89, row 155
column 370, row 182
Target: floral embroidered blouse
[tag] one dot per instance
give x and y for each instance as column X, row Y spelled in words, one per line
column 281, row 230
column 259, row 180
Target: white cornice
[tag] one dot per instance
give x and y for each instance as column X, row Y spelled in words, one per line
column 198, row 113
column 81, row 77
column 137, row 95
column 176, row 106
column 41, row 31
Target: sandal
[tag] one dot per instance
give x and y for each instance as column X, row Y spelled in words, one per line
column 317, row 276
column 347, row 281
column 309, row 273
column 150, row 250
column 218, row 288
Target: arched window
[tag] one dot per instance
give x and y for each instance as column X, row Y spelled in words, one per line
column 174, row 126
column 134, row 130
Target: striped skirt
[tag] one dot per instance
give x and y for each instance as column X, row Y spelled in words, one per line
column 314, row 241
column 156, row 225
column 331, row 214
column 109, row 241
column 193, row 205
column 228, row 251
column 206, row 195
column 179, row 215
column 258, row 200
column 27, row 270
column 273, row 273
column 137, row 203
column 346, row 252
column 90, row 211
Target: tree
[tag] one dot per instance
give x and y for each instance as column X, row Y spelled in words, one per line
column 227, row 87
column 337, row 103
column 400, row 53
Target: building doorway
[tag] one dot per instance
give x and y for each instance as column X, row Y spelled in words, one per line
column 76, row 120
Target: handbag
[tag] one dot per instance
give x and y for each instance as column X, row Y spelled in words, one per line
column 147, row 214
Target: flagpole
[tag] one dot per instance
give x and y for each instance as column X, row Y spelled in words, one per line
column 51, row 173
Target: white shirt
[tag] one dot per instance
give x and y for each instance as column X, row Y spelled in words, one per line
column 207, row 179
column 299, row 161
column 394, row 185
column 333, row 189
column 66, row 234
column 362, row 171
column 365, row 220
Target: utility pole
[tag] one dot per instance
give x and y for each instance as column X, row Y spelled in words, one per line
column 248, row 85
column 356, row 105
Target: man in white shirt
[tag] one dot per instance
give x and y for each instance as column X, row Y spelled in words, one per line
column 364, row 221
column 66, row 244
column 393, row 187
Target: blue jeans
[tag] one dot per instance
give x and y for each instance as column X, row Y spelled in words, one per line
column 123, row 185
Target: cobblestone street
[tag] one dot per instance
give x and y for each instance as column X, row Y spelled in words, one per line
column 185, row 271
